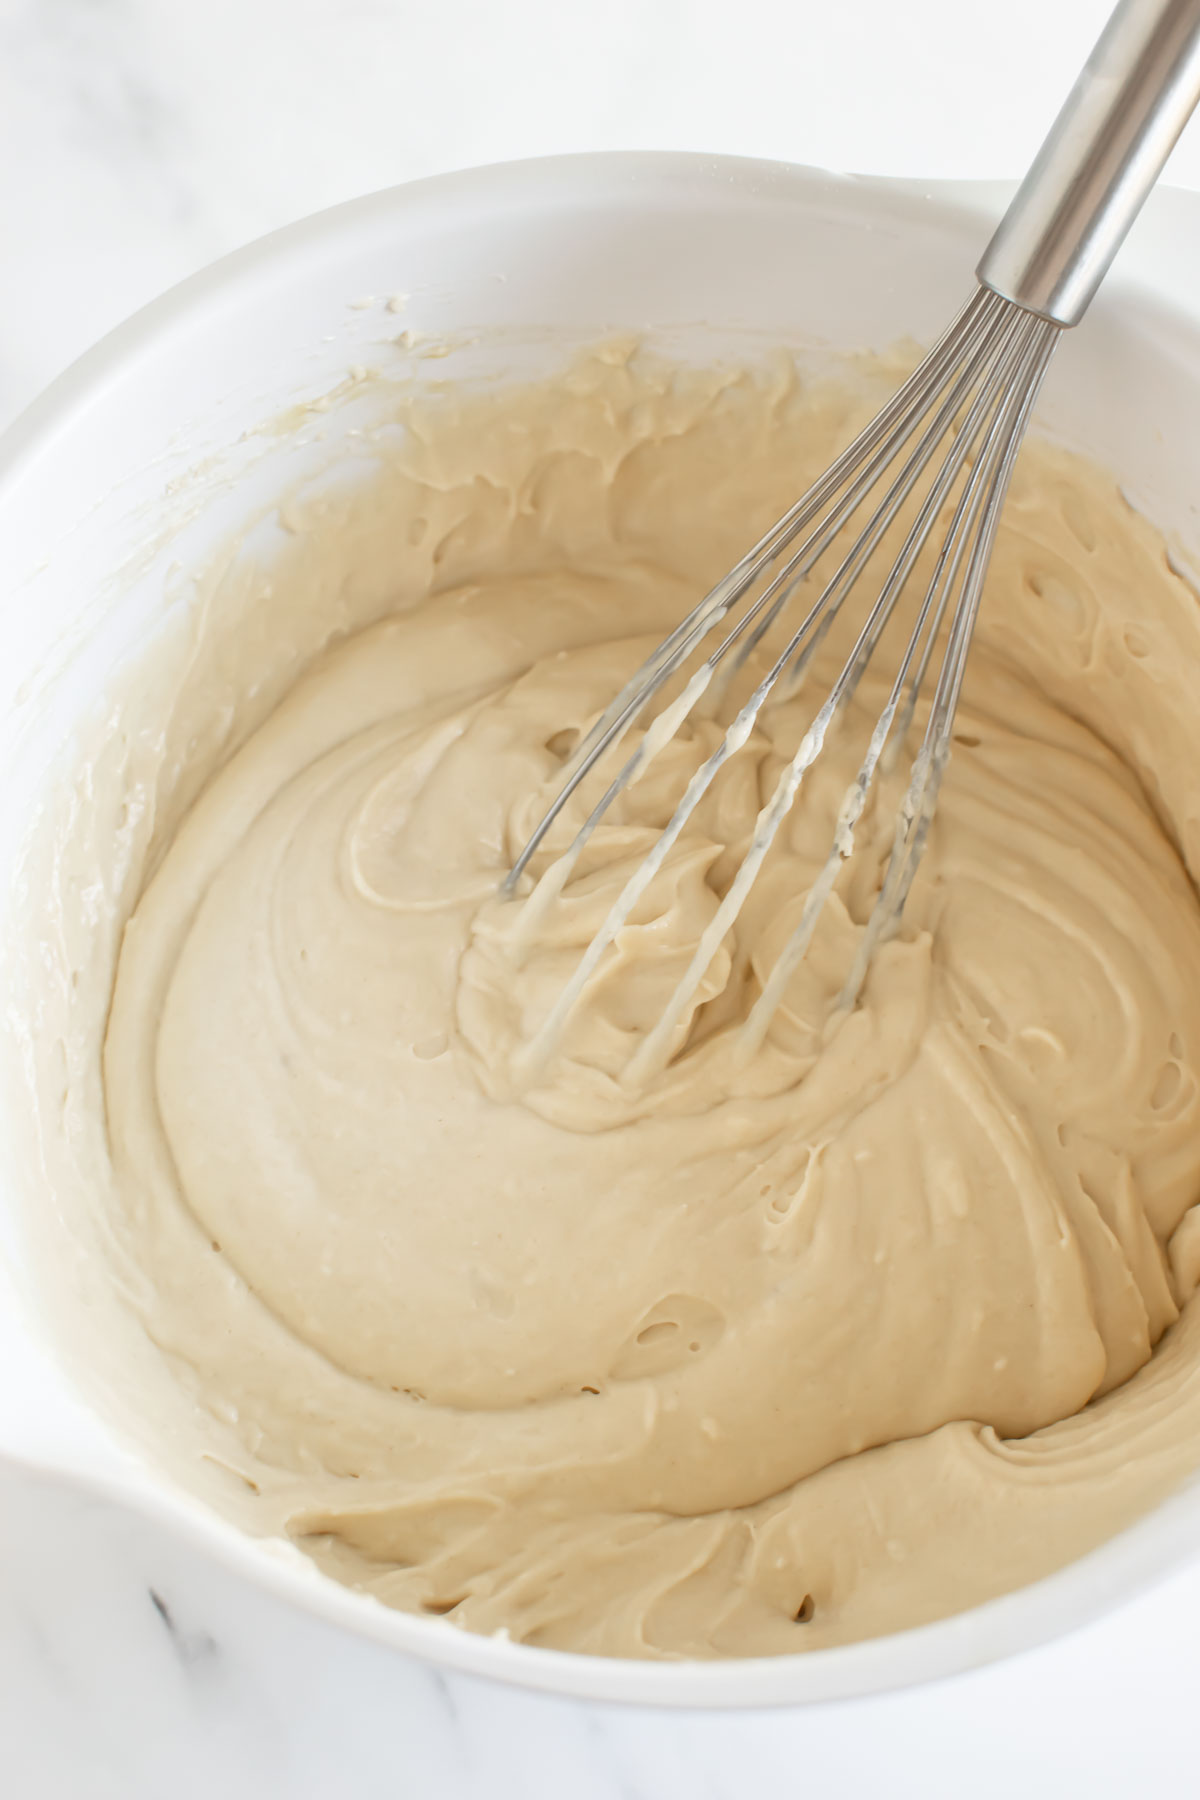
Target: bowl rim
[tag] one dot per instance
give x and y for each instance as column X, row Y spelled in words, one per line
column 568, row 176
column 1050, row 1608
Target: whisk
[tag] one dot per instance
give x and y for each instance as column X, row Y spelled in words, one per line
column 969, row 399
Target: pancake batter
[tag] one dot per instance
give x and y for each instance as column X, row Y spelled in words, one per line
column 738, row 1361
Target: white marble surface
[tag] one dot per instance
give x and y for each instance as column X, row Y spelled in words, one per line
column 139, row 139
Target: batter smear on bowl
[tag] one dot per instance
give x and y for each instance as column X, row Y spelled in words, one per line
column 747, row 1358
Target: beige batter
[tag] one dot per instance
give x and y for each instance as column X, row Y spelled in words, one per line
column 742, row 1360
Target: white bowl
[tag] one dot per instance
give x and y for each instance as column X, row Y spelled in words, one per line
column 145, row 452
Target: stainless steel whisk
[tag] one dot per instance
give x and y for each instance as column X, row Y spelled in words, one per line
column 973, row 393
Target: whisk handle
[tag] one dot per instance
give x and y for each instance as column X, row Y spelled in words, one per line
column 1102, row 156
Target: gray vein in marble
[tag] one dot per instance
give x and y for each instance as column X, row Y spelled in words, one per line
column 190, row 1646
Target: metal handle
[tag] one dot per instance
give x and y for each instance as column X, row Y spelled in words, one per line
column 1103, row 154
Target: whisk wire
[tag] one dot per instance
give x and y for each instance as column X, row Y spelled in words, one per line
column 989, row 328
column 916, row 813
column 654, row 1051
column 906, row 684
column 976, row 388
column 979, row 339
column 892, row 425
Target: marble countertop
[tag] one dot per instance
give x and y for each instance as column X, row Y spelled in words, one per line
column 138, row 140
